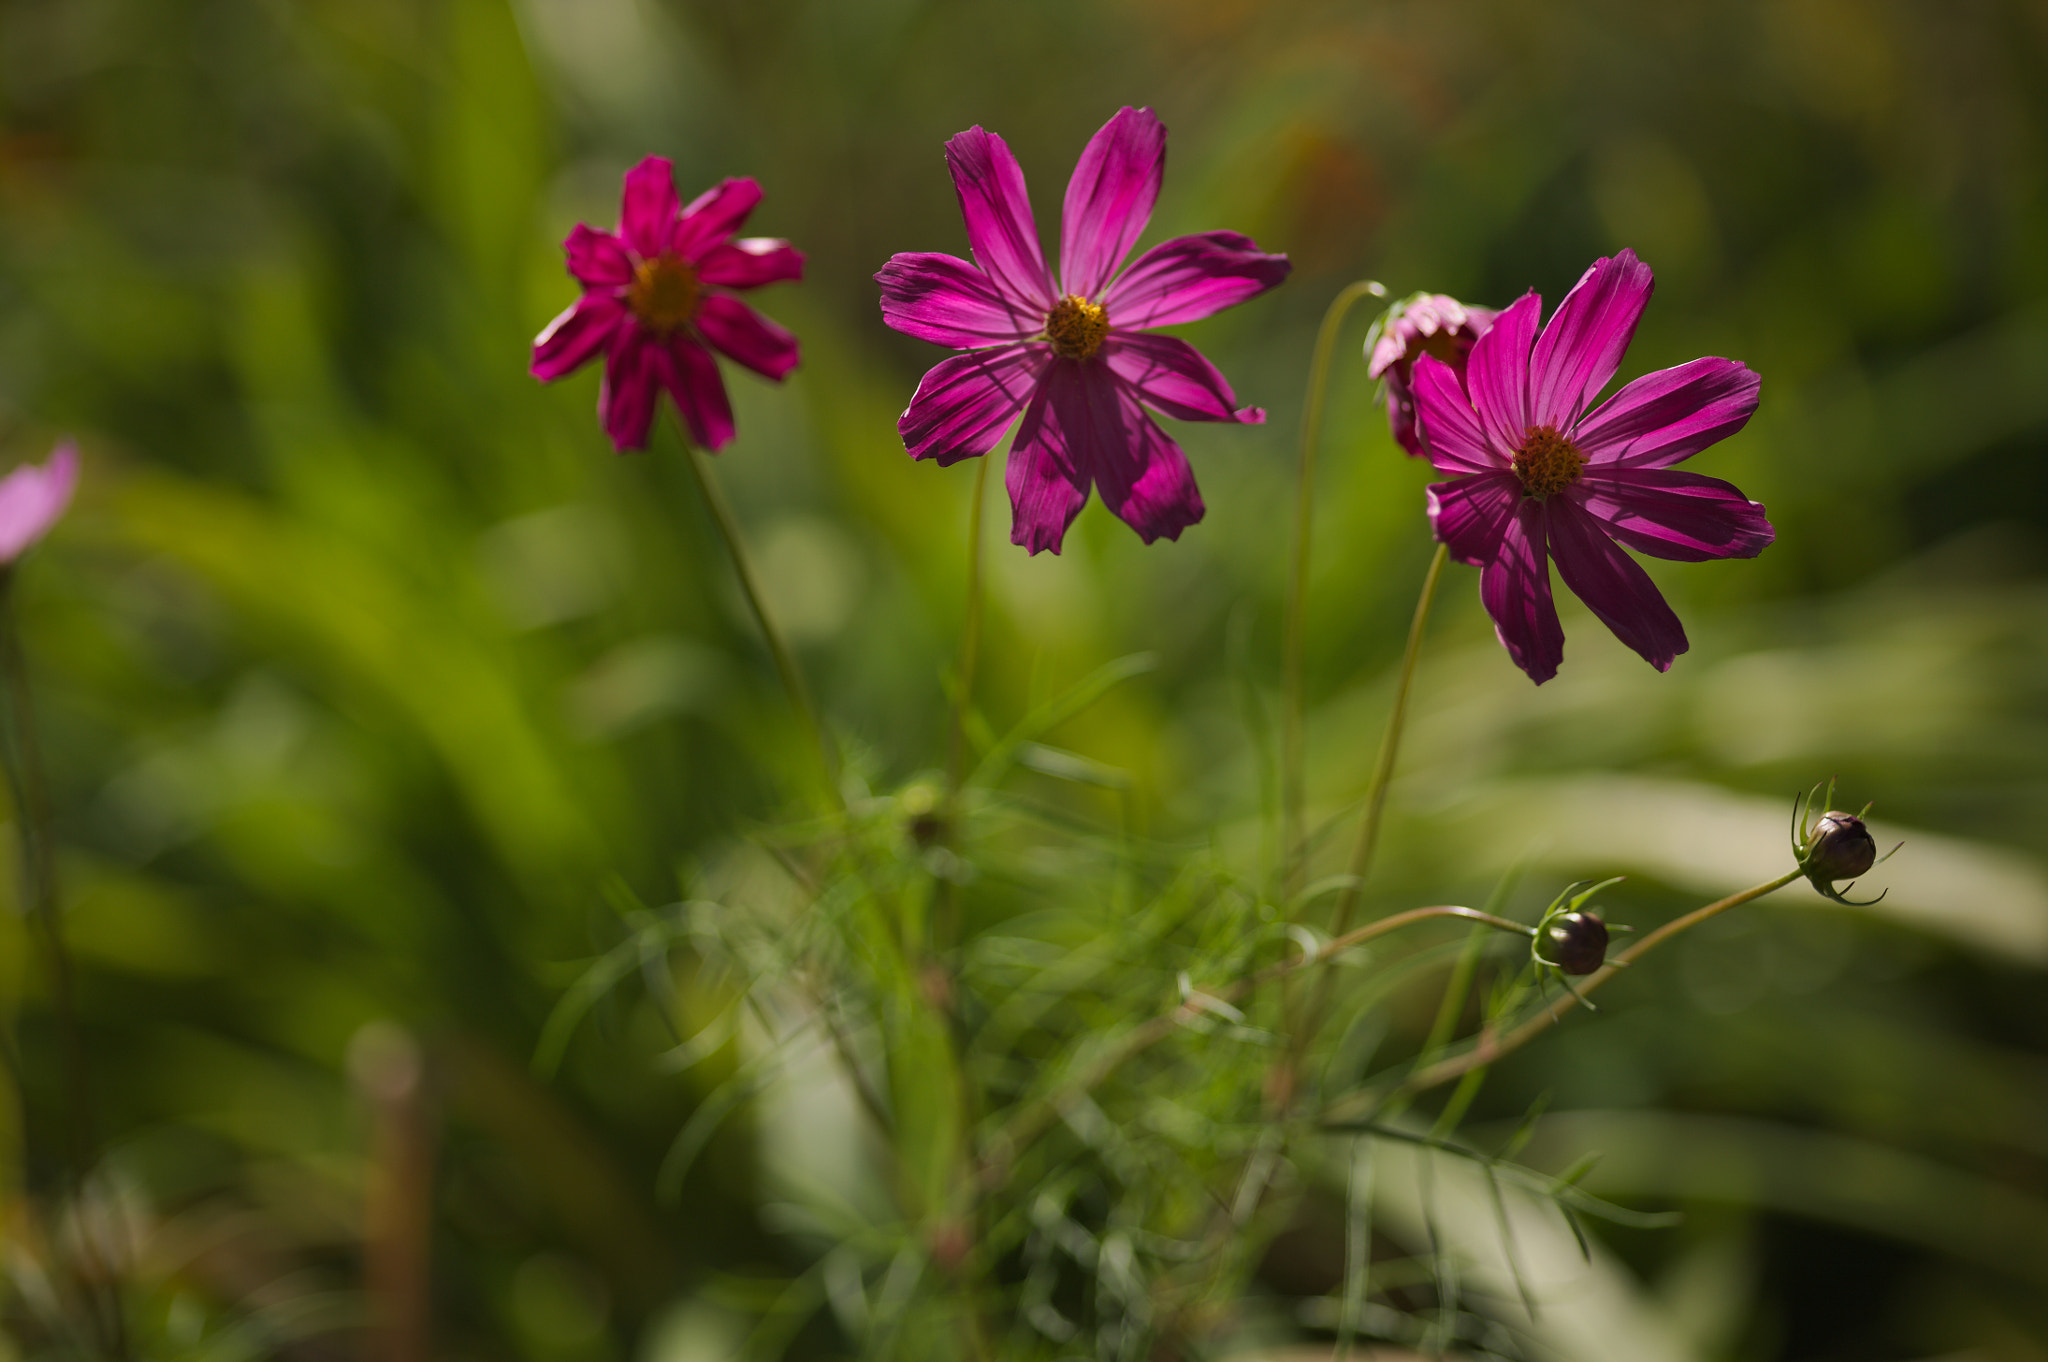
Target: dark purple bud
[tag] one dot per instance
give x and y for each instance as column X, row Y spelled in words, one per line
column 1841, row 849
column 1578, row 942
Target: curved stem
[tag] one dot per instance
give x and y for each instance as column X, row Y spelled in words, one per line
column 785, row 663
column 1486, row 1051
column 1296, row 626
column 970, row 640
column 1390, row 750
column 1033, row 1122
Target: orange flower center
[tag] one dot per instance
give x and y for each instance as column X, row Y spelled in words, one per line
column 664, row 292
column 1076, row 327
column 1547, row 462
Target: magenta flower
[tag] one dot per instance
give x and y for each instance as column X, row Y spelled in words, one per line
column 1425, row 324
column 31, row 499
column 1072, row 355
column 658, row 299
column 1538, row 477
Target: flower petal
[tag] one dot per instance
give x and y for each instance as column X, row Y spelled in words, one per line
column 1141, row 473
column 751, row 262
column 1471, row 514
column 1191, row 277
column 1497, row 373
column 1110, row 199
column 1582, row 347
column 1449, row 428
column 713, row 216
column 1047, row 481
column 740, row 333
column 1666, row 514
column 648, row 208
column 32, row 497
column 947, row 301
column 598, row 259
column 633, row 377
column 964, row 404
column 1167, row 373
column 1613, row 585
column 691, row 376
column 574, row 338
column 1669, row 416
column 1000, row 227
column 1515, row 589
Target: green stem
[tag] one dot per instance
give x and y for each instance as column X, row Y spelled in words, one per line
column 785, row 663
column 970, row 641
column 1487, row 1050
column 1292, row 799
column 1028, row 1126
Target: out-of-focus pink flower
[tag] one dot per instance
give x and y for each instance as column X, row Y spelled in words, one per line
column 1425, row 324
column 1072, row 355
column 658, row 299
column 1539, row 477
column 32, row 497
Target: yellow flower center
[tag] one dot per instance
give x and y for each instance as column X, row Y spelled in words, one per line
column 664, row 292
column 1076, row 327
column 1547, row 462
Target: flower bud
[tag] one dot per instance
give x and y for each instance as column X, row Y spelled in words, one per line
column 1841, row 848
column 1578, row 942
column 1425, row 324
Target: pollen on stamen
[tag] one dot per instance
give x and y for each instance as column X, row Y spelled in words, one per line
column 1547, row 462
column 664, row 292
column 1076, row 327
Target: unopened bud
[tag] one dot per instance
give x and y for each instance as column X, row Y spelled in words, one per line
column 1841, row 848
column 1578, row 942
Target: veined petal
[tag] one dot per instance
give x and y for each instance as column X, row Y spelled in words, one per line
column 1582, row 347
column 1000, row 228
column 1667, row 417
column 751, row 262
column 1668, row 514
column 742, row 334
column 574, row 338
column 633, row 378
column 1191, row 277
column 713, row 216
column 691, row 376
column 1515, row 589
column 1613, row 585
column 1046, row 479
column 1167, row 373
column 1497, row 373
column 964, row 404
column 33, row 496
column 947, row 301
column 648, row 207
column 1146, row 481
column 1110, row 198
column 1450, row 430
column 1471, row 514
column 597, row 259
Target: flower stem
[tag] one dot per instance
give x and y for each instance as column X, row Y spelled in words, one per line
column 1034, row 1120
column 1487, row 1051
column 1296, row 626
column 970, row 641
column 29, row 792
column 785, row 663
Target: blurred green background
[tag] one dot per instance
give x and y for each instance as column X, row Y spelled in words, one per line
column 371, row 680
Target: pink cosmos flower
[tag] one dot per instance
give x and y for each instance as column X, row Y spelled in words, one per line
column 1425, row 324
column 1536, row 476
column 31, row 499
column 658, row 299
column 1072, row 355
